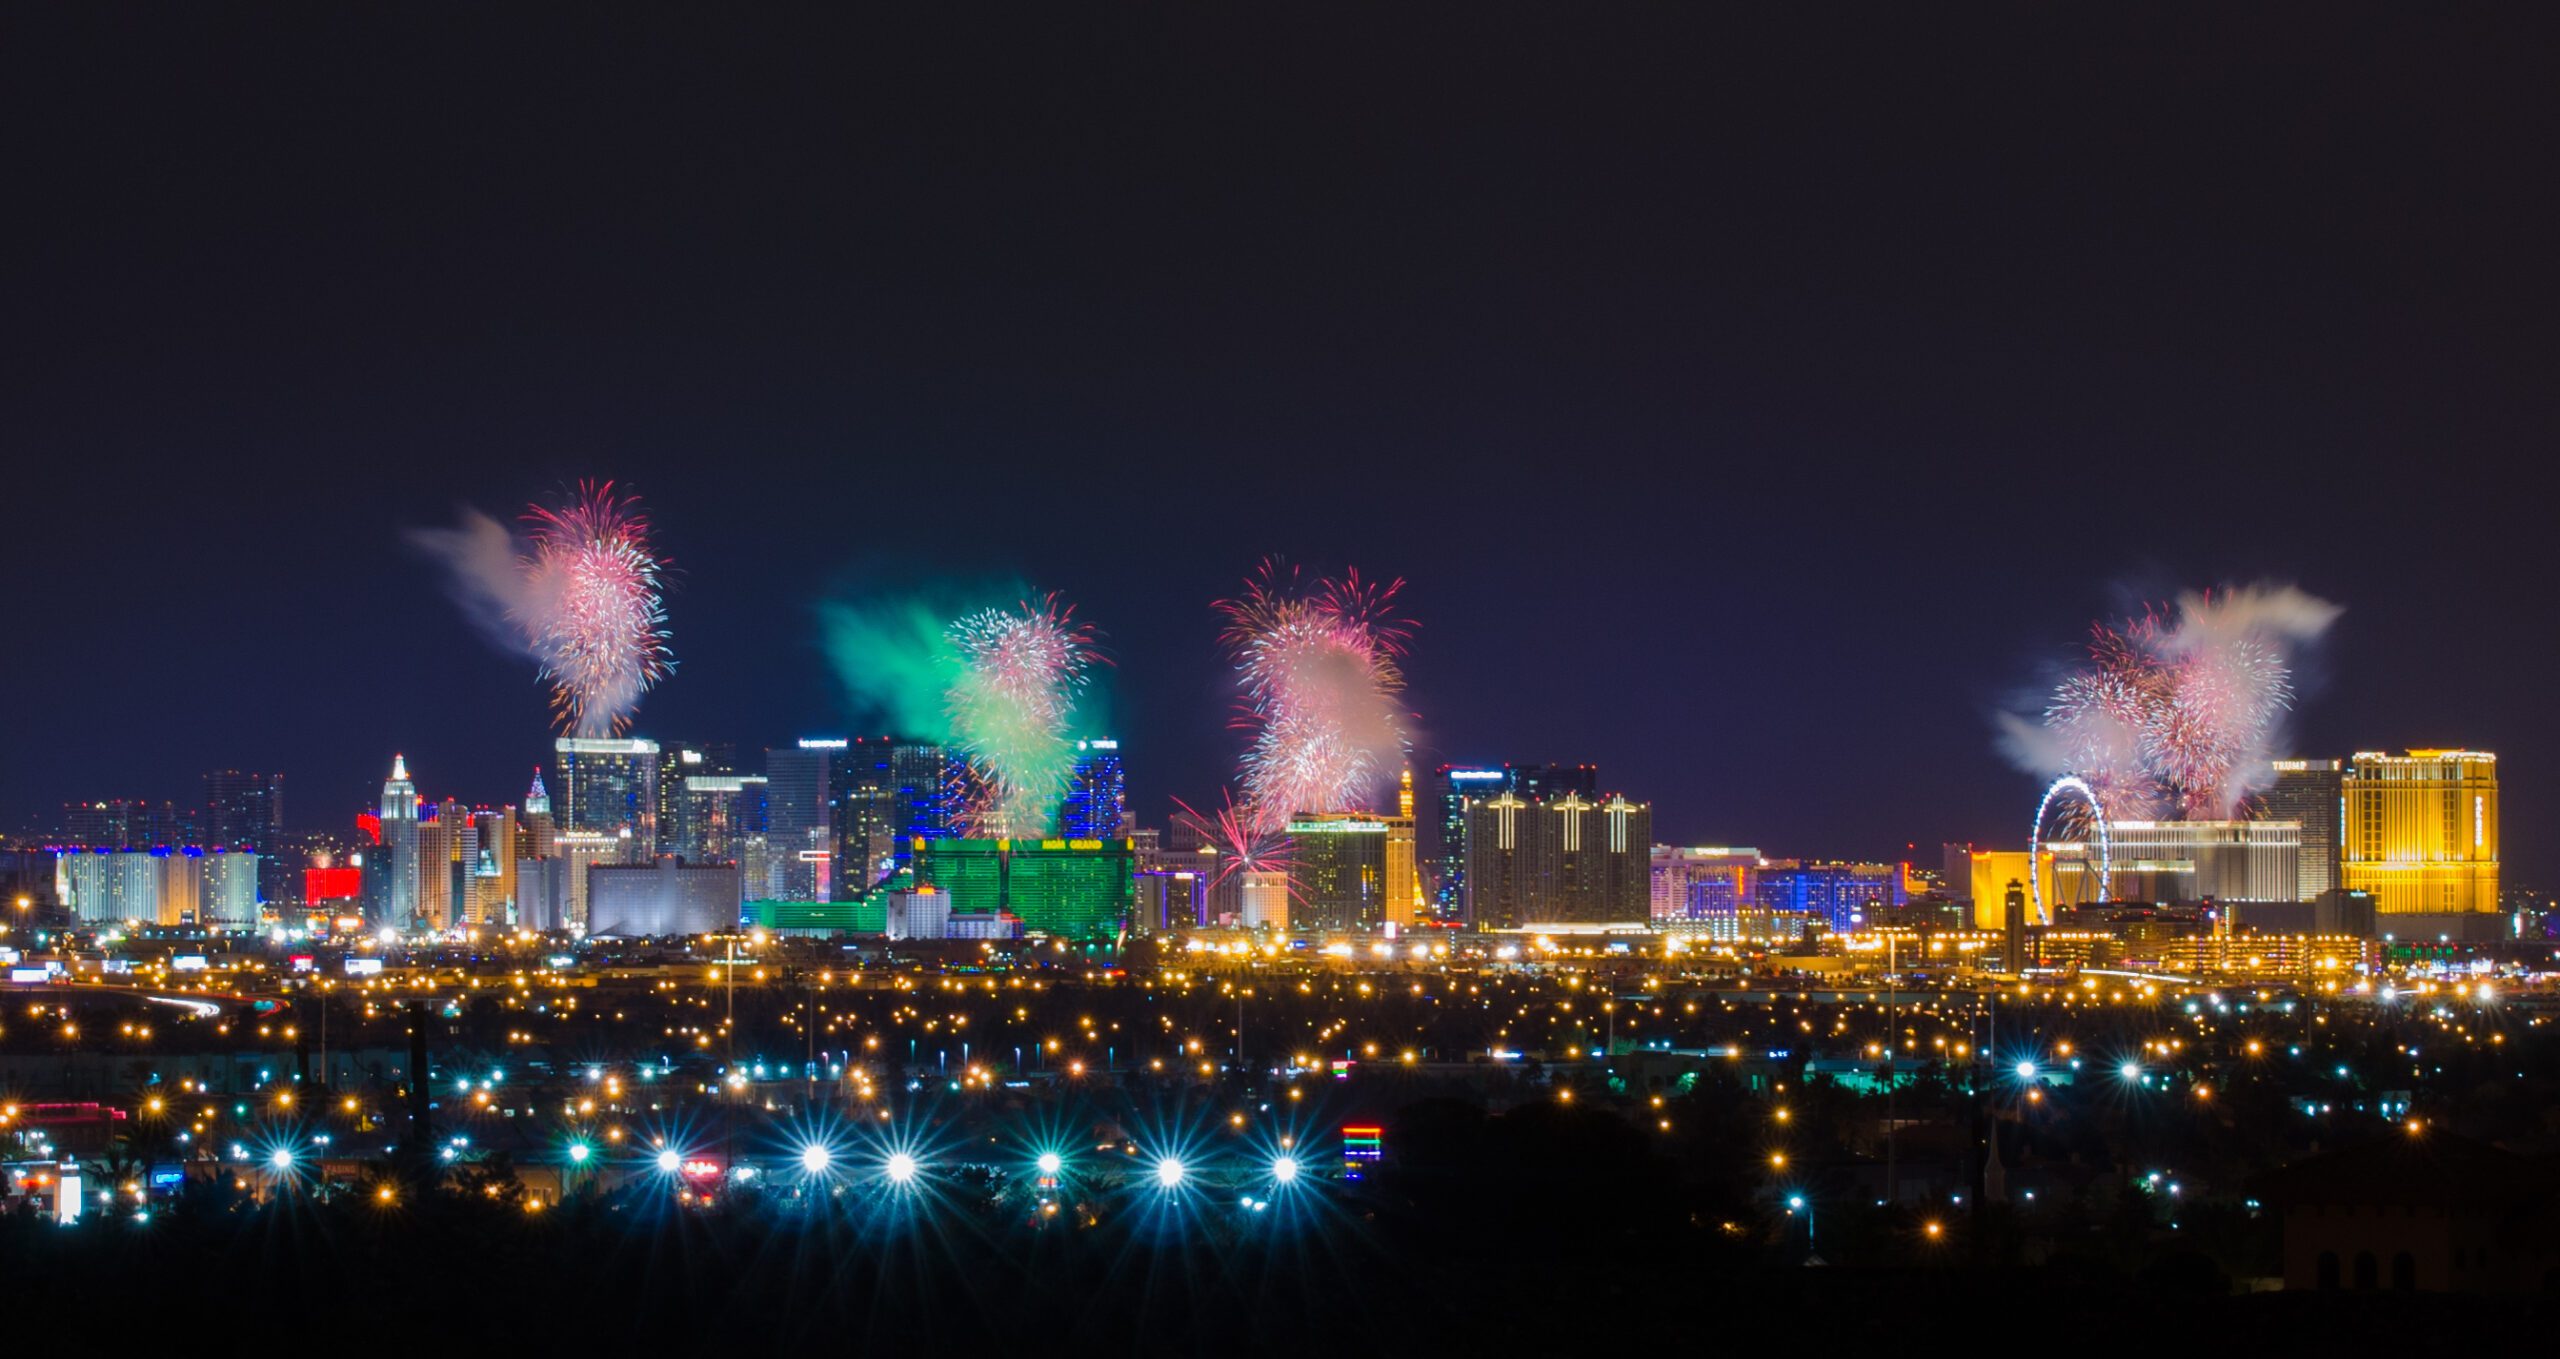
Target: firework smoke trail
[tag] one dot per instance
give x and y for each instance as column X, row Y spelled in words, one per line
column 579, row 593
column 2180, row 717
column 1009, row 707
column 1318, row 667
column 600, row 630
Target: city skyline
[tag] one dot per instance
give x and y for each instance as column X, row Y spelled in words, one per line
column 1401, row 680
column 1797, row 457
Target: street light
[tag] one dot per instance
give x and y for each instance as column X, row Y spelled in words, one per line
column 1285, row 1169
column 901, row 1168
column 1169, row 1172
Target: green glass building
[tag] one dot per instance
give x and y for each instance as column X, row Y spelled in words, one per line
column 1075, row 889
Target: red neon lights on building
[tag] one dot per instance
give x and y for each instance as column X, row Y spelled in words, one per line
column 332, row 884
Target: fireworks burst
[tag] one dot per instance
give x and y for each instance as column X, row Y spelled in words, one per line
column 2169, row 719
column 1020, row 672
column 1318, row 668
column 1242, row 845
column 591, row 612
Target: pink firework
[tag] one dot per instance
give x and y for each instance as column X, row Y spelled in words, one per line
column 1242, row 846
column 593, row 616
column 2104, row 715
column 2168, row 718
column 1318, row 668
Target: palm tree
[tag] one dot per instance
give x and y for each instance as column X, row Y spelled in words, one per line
column 121, row 1168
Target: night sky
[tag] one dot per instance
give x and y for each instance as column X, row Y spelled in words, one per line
column 1754, row 401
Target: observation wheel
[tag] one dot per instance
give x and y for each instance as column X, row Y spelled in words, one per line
column 2069, row 785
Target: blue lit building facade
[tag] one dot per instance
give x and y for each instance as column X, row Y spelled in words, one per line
column 883, row 795
column 1445, row 851
column 1711, row 883
column 921, row 775
column 1097, row 804
column 1846, row 896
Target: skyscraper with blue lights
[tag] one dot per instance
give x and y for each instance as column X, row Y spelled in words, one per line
column 1097, row 805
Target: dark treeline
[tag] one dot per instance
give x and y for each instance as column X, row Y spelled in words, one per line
column 1547, row 1226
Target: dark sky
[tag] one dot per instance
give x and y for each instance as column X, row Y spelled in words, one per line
column 1753, row 396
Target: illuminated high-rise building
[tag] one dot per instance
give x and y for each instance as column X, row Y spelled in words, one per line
column 449, row 878
column 841, row 815
column 1350, row 871
column 435, row 867
column 676, row 760
column 868, row 804
column 610, row 786
column 1097, row 804
column 1407, row 900
column 1844, row 897
column 1711, row 883
column 2421, row 836
column 799, row 820
column 493, row 896
column 246, row 811
column 1262, row 899
column 1078, row 889
column 1443, row 844
column 1989, row 873
column 2171, row 863
column 399, row 847
column 159, row 886
column 920, row 772
column 712, row 815
column 538, row 827
column 1171, row 896
column 1566, row 860
column 566, row 891
column 2312, row 794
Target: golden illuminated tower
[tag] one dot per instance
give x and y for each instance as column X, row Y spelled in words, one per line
column 2421, row 832
column 1404, row 880
column 494, row 887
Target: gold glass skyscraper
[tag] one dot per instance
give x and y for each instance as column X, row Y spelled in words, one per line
column 2421, row 832
column 1351, row 871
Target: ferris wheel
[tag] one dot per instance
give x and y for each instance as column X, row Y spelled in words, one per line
column 2069, row 785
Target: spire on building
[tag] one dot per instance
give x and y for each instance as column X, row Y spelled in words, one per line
column 399, row 796
column 537, row 800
